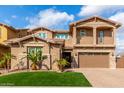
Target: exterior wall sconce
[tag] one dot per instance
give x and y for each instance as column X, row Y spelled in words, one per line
column 75, row 54
column 112, row 54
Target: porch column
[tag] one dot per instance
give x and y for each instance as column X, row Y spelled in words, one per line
column 114, row 35
column 74, row 35
column 112, row 61
column 94, row 36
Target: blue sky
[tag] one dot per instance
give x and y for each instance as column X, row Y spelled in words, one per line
column 16, row 15
column 58, row 17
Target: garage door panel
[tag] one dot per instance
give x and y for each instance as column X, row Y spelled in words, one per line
column 93, row 60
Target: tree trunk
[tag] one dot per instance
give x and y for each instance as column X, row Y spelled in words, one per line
column 7, row 65
column 33, row 67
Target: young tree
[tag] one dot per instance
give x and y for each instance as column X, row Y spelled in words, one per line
column 36, row 59
column 6, row 59
column 62, row 63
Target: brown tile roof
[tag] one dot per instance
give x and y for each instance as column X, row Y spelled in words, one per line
column 9, row 27
column 39, row 28
column 12, row 28
column 23, row 29
column 43, row 28
column 16, row 40
column 117, row 24
column 4, row 45
column 61, row 31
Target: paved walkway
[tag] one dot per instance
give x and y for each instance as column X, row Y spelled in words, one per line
column 104, row 77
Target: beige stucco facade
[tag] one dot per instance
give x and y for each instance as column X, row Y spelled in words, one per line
column 20, row 53
column 77, row 45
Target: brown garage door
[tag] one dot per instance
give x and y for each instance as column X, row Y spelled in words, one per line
column 95, row 60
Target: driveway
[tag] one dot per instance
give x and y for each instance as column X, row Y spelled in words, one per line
column 103, row 77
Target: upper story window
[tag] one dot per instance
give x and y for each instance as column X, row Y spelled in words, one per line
column 42, row 35
column 101, row 36
column 62, row 36
column 82, row 33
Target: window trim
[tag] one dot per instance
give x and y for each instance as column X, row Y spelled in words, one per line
column 42, row 35
column 62, row 36
column 83, row 33
column 101, row 37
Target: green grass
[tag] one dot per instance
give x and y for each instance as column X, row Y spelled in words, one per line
column 44, row 79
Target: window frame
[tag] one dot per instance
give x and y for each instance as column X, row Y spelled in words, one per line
column 35, row 49
column 62, row 36
column 101, row 37
column 83, row 33
column 42, row 35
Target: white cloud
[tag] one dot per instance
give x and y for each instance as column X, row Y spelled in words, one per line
column 98, row 10
column 14, row 16
column 120, row 33
column 50, row 18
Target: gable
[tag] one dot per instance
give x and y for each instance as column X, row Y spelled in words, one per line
column 96, row 21
column 36, row 42
column 31, row 39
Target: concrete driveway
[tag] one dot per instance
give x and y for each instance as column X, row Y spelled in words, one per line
column 103, row 77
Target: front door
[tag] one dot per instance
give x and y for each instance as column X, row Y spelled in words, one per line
column 67, row 56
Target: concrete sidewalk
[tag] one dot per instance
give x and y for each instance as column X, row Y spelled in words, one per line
column 104, row 77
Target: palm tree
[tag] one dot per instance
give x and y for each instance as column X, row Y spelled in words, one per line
column 62, row 63
column 5, row 61
column 2, row 63
column 36, row 59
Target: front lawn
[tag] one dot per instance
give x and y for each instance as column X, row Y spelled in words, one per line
column 44, row 79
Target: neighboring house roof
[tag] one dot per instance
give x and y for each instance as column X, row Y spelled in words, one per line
column 12, row 28
column 43, row 28
column 23, row 29
column 39, row 28
column 9, row 27
column 104, row 19
column 3, row 45
column 16, row 40
column 61, row 31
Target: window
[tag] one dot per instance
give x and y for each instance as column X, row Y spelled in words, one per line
column 42, row 35
column 82, row 33
column 35, row 49
column 62, row 36
column 101, row 36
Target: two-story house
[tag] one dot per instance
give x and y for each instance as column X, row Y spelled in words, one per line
column 89, row 43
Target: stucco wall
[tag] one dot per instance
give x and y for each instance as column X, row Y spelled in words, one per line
column 21, row 51
column 55, row 55
column 3, row 36
column 69, row 42
column 88, row 39
column 120, row 62
column 11, row 34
